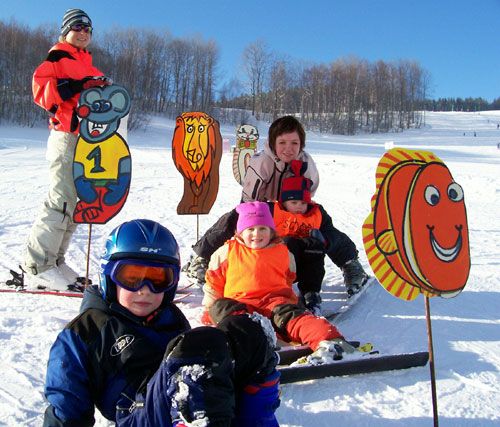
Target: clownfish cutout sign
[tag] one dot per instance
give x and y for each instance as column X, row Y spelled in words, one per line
column 416, row 236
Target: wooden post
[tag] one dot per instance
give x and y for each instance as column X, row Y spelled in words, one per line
column 431, row 361
column 88, row 256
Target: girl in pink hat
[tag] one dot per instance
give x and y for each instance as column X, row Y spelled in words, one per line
column 253, row 273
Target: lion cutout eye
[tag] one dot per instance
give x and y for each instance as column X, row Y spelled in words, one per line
column 201, row 128
column 431, row 195
column 455, row 192
column 190, row 129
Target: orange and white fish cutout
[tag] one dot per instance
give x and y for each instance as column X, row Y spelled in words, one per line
column 416, row 236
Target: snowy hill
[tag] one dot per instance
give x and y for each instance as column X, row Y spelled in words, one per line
column 466, row 328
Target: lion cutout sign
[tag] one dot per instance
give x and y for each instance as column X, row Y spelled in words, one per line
column 197, row 151
column 416, row 236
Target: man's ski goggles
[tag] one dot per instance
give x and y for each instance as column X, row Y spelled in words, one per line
column 79, row 27
column 133, row 275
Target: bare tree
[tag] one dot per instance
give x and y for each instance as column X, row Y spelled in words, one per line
column 278, row 88
column 171, row 75
column 256, row 58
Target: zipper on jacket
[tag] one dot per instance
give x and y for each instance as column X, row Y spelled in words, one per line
column 255, row 189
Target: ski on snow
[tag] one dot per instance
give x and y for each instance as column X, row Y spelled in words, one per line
column 16, row 285
column 364, row 364
column 349, row 302
column 178, row 297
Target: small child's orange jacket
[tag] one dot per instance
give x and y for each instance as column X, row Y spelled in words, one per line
column 250, row 275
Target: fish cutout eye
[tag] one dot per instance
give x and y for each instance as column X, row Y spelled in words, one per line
column 201, row 128
column 190, row 129
column 432, row 195
column 455, row 192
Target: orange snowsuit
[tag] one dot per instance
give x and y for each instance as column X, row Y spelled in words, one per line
column 262, row 280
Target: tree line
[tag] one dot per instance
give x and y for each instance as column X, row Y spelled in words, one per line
column 169, row 75
column 163, row 74
column 345, row 96
column 459, row 104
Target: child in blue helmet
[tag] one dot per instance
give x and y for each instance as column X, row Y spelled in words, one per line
column 131, row 354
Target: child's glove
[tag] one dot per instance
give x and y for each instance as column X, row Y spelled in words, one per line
column 206, row 319
column 315, row 243
column 85, row 190
column 98, row 81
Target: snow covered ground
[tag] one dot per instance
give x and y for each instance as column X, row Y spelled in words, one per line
column 466, row 329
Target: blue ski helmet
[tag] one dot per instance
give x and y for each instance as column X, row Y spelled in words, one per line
column 139, row 239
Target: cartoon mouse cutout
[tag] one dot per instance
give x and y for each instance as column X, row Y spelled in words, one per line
column 102, row 165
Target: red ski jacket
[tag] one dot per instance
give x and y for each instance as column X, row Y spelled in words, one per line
column 64, row 61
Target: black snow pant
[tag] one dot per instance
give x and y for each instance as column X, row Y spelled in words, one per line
column 237, row 353
column 310, row 266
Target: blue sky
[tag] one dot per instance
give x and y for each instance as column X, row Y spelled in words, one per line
column 457, row 41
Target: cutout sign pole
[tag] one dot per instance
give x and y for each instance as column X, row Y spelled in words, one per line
column 416, row 236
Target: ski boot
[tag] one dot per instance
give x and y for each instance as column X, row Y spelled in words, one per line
column 312, row 301
column 70, row 274
column 17, row 281
column 330, row 351
column 195, row 269
column 354, row 276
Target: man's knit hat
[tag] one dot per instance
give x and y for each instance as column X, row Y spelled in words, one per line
column 73, row 17
column 296, row 187
column 252, row 214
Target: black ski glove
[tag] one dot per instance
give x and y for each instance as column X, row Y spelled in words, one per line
column 67, row 88
column 315, row 243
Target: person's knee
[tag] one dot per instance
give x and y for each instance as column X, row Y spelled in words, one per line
column 225, row 307
column 199, row 376
column 282, row 314
column 206, row 342
column 252, row 341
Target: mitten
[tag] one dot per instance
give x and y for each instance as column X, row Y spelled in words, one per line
column 315, row 243
column 85, row 190
column 117, row 190
column 96, row 82
column 206, row 319
column 196, row 268
column 68, row 88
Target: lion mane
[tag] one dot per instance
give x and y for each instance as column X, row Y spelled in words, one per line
column 194, row 145
column 196, row 152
